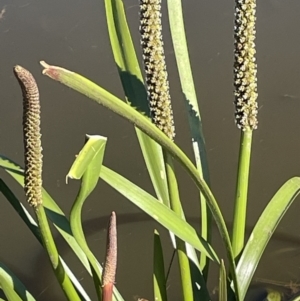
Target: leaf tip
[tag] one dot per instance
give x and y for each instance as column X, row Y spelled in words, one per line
column 67, row 178
column 44, row 64
column 53, row 72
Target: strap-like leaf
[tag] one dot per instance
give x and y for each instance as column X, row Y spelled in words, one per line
column 159, row 277
column 158, row 211
column 135, row 92
column 86, row 167
column 222, row 282
column 12, row 287
column 263, row 231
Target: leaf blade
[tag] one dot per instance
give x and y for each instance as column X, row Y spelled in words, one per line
column 135, row 92
column 13, row 288
column 159, row 278
column 263, row 231
column 158, row 211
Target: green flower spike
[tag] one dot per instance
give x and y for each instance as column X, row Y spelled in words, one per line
column 155, row 66
column 245, row 68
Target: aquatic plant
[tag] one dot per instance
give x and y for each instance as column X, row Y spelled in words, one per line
column 149, row 110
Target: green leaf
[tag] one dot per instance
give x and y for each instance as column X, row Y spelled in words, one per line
column 125, row 56
column 52, row 209
column 158, row 211
column 86, row 167
column 135, row 92
column 222, row 282
column 132, row 81
column 12, row 287
column 53, row 212
column 199, row 283
column 31, row 224
column 92, row 148
column 103, row 97
column 191, row 105
column 263, row 231
column 159, row 277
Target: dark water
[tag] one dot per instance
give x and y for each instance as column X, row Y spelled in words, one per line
column 73, row 34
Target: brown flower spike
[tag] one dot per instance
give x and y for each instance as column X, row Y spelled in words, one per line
column 245, row 69
column 110, row 265
column 31, row 136
column 155, row 66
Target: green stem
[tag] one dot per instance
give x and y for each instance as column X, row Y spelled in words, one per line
column 76, row 227
column 50, row 247
column 239, row 221
column 175, row 204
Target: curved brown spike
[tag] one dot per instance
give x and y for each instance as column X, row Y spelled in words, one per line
column 31, row 136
